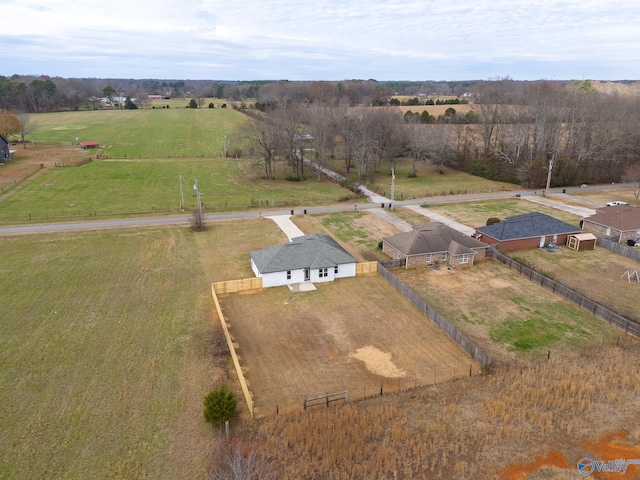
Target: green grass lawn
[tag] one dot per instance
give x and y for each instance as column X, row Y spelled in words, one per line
column 120, row 187
column 143, row 133
column 106, row 349
column 429, row 182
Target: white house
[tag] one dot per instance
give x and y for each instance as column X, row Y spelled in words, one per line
column 310, row 258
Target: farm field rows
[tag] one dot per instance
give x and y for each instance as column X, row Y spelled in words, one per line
column 354, row 333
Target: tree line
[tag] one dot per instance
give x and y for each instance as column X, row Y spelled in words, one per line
column 512, row 132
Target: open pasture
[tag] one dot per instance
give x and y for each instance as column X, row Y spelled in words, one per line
column 355, row 333
column 143, row 133
column 505, row 314
column 105, row 356
column 134, row 187
column 106, row 349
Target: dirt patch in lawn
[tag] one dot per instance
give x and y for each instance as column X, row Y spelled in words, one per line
column 355, row 333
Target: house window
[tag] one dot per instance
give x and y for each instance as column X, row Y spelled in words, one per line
column 444, row 256
column 464, row 258
column 288, row 274
column 428, row 257
column 323, row 272
column 335, row 270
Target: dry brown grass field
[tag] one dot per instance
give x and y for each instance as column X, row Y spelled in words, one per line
column 531, row 422
column 596, row 273
column 354, row 333
column 604, row 196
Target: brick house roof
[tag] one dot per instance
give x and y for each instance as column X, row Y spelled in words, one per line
column 528, row 225
column 621, row 217
column 433, row 237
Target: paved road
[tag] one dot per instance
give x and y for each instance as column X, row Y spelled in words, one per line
column 184, row 219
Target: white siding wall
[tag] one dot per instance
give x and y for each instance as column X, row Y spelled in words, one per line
column 297, row 276
column 346, row 270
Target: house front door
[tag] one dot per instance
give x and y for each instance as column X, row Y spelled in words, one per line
column 307, row 274
column 542, row 241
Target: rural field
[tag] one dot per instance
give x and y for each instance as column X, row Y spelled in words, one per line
column 109, row 339
column 144, row 133
column 355, row 333
column 108, row 347
column 531, row 422
column 429, row 181
column 120, row 188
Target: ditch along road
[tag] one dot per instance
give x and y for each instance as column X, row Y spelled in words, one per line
column 184, row 219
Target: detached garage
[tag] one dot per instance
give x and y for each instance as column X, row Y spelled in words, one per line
column 581, row 241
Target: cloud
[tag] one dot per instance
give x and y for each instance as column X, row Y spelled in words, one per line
column 325, row 39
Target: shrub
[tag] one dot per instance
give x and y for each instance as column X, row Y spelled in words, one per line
column 193, row 104
column 211, row 105
column 219, row 406
column 492, row 220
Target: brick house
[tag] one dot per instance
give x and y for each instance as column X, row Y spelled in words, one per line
column 434, row 243
column 530, row 230
column 620, row 223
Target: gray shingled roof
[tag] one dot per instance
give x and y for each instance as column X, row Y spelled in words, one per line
column 620, row 217
column 527, row 225
column 310, row 251
column 433, row 237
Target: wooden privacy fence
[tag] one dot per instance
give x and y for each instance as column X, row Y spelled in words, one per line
column 452, row 332
column 366, row 268
column 234, row 355
column 234, row 286
column 325, row 399
column 615, row 247
column 597, row 309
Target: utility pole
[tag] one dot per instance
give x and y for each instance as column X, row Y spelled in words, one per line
column 181, row 194
column 393, row 188
column 546, row 191
column 195, row 187
column 224, row 146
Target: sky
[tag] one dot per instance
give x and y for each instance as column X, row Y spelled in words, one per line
column 322, row 39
